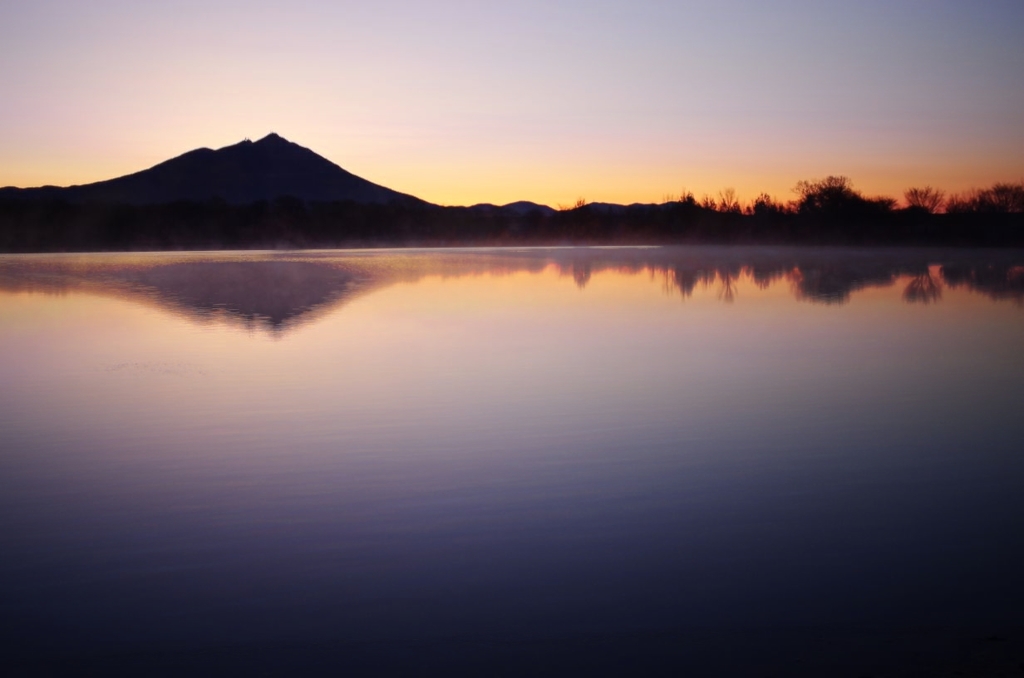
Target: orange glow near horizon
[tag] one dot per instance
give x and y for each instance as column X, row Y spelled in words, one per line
column 559, row 180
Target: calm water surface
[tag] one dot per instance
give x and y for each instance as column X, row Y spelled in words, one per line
column 483, row 455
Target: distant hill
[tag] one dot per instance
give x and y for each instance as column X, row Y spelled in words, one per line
column 525, row 207
column 520, row 208
column 246, row 172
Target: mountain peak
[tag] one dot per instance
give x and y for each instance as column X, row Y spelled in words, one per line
column 246, row 172
column 272, row 138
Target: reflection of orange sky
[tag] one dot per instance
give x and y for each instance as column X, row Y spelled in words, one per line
column 555, row 287
column 631, row 179
column 399, row 347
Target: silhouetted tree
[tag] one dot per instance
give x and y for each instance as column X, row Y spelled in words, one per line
column 834, row 198
column 960, row 203
column 727, row 201
column 1002, row 198
column 766, row 205
column 686, row 198
column 926, row 199
column 831, row 194
column 883, row 202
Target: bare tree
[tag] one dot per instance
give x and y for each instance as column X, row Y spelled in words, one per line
column 579, row 204
column 928, row 199
column 1001, row 198
column 727, row 201
column 1005, row 197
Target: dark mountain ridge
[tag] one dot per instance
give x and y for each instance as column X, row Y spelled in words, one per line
column 246, row 172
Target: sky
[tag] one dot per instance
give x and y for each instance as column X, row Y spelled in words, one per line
column 462, row 102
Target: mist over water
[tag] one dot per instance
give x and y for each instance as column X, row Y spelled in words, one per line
column 438, row 449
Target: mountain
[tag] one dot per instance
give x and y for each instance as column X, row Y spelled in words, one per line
column 246, row 172
column 525, row 207
column 519, row 209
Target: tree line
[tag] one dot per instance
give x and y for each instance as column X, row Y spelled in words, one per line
column 835, row 196
column 825, row 211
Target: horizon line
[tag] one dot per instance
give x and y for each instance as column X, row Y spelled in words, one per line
column 706, row 198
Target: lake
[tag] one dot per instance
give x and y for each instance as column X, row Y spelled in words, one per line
column 733, row 461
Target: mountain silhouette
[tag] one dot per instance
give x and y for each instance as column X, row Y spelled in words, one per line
column 243, row 173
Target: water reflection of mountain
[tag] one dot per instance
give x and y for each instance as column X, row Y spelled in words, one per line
column 269, row 293
column 274, row 294
column 279, row 291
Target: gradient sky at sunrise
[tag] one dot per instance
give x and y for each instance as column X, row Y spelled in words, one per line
column 460, row 102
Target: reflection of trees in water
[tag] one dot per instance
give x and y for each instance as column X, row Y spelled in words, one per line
column 821, row 285
column 278, row 292
column 835, row 282
column 729, row 277
column 581, row 272
column 728, row 291
column 923, row 289
column 686, row 279
column 764, row 276
column 992, row 280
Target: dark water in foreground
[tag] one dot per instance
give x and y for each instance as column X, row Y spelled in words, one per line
column 727, row 461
